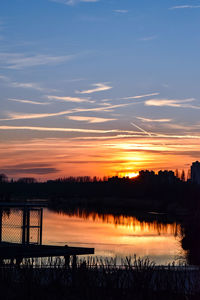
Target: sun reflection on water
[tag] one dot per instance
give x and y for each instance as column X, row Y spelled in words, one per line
column 114, row 235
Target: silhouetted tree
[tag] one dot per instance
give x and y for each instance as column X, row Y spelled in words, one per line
column 183, row 175
column 27, row 180
column 3, row 178
column 189, row 174
column 95, row 179
column 176, row 173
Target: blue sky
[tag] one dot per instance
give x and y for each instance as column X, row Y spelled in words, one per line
column 78, row 71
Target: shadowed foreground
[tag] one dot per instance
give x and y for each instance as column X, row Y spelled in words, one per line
column 139, row 279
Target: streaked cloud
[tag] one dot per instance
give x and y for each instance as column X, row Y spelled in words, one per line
column 22, row 116
column 148, row 38
column 80, row 130
column 140, row 96
column 107, row 108
column 110, row 137
column 36, row 171
column 121, row 11
column 72, row 2
column 99, row 87
column 143, row 133
column 185, row 103
column 90, row 119
column 184, row 6
column 69, row 99
column 28, row 101
column 153, row 120
column 184, row 127
column 27, row 85
column 24, row 85
column 27, row 116
column 21, row 61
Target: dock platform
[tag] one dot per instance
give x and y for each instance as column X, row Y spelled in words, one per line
column 21, row 234
column 16, row 251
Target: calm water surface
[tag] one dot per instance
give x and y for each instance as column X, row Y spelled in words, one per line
column 110, row 235
column 114, row 236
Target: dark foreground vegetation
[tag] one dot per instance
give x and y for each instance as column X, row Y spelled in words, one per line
column 99, row 279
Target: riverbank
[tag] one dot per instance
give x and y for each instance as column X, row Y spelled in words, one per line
column 117, row 205
column 153, row 194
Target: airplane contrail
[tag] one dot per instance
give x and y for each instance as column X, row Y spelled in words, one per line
column 148, row 133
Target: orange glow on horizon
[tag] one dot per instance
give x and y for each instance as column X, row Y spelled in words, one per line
column 52, row 158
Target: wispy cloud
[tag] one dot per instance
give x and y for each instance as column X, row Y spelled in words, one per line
column 110, row 137
column 185, row 103
column 38, row 169
column 21, row 116
column 74, row 80
column 184, row 6
column 154, row 120
column 184, row 127
column 90, row 119
column 24, row 85
column 120, row 11
column 28, row 101
column 27, row 85
column 80, row 130
column 70, row 99
column 102, row 131
column 99, row 87
column 72, row 2
column 148, row 38
column 21, row 61
column 140, row 96
column 105, row 109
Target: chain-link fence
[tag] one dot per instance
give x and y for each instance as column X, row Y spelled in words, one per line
column 22, row 226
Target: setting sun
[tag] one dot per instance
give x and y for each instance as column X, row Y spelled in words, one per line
column 130, row 175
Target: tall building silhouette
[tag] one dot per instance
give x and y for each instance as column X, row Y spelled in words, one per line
column 195, row 172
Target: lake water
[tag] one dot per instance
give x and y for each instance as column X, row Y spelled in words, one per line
column 110, row 235
column 114, row 236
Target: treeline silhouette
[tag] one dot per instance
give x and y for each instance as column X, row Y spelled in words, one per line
column 162, row 191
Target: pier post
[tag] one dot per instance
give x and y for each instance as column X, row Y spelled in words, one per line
column 74, row 264
column 18, row 261
column 67, row 260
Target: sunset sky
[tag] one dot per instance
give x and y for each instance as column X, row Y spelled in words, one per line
column 104, row 87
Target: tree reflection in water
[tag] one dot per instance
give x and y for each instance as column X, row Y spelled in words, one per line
column 191, row 238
